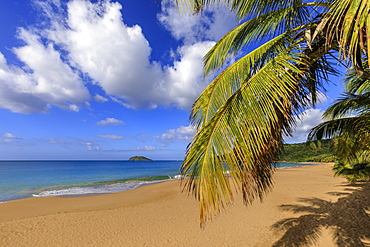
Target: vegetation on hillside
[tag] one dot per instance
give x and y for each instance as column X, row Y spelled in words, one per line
column 139, row 158
column 305, row 152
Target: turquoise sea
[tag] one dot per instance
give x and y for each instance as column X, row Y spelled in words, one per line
column 27, row 179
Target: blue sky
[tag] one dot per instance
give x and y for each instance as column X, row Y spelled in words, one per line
column 105, row 79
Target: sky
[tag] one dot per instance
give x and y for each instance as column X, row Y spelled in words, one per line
column 106, row 79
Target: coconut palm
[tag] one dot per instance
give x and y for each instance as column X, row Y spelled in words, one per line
column 348, row 121
column 243, row 114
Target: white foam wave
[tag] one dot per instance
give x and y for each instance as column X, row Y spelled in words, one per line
column 104, row 189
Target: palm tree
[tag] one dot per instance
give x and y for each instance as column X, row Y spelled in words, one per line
column 348, row 121
column 243, row 114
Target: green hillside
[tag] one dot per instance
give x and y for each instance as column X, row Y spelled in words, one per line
column 303, row 152
column 139, row 158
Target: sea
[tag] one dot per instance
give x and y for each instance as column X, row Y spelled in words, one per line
column 29, row 179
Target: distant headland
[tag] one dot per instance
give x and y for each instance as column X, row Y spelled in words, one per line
column 139, row 158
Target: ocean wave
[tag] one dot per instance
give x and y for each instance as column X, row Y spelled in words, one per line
column 102, row 187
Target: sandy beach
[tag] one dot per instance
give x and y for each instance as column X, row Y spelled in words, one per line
column 307, row 207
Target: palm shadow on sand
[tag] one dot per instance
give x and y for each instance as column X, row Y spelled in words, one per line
column 348, row 217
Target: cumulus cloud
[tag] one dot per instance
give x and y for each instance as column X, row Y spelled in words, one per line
column 86, row 38
column 117, row 57
column 111, row 137
column 212, row 24
column 113, row 54
column 305, row 122
column 110, row 121
column 183, row 134
column 45, row 80
column 184, row 81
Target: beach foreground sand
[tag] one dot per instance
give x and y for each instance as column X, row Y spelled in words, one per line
column 307, row 205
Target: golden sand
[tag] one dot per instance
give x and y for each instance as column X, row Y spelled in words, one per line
column 307, row 205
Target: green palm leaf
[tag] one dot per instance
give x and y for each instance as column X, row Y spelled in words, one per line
column 243, row 137
column 242, row 115
column 355, row 83
column 350, row 127
column 350, row 104
column 358, row 171
column 350, row 25
column 231, row 79
column 249, row 32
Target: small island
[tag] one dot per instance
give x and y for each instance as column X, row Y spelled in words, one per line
column 139, row 158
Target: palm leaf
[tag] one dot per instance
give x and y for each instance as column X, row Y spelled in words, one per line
column 197, row 6
column 243, row 137
column 290, row 18
column 350, row 127
column 358, row 171
column 349, row 25
column 350, row 104
column 231, row 79
column 355, row 83
column 247, row 8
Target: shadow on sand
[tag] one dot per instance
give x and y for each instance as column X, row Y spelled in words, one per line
column 348, row 218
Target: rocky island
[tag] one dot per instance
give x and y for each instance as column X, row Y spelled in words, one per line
column 139, row 158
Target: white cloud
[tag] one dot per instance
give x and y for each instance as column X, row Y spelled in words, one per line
column 8, row 135
column 45, row 79
column 113, row 54
column 61, row 141
column 90, row 145
column 16, row 92
column 92, row 39
column 5, row 140
column 305, row 122
column 111, row 137
column 110, row 121
column 147, row 148
column 117, row 56
column 55, row 81
column 100, row 99
column 10, row 139
column 184, row 81
column 183, row 134
column 212, row 24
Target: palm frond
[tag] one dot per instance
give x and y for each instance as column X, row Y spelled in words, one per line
column 242, row 115
column 259, row 7
column 352, row 150
column 243, row 136
column 349, row 25
column 231, row 79
column 355, row 172
column 318, row 74
column 264, row 26
column 197, row 6
column 355, row 83
column 328, row 129
column 349, row 127
column 349, row 104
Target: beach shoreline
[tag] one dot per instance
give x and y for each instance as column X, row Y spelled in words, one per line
column 160, row 215
column 70, row 179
